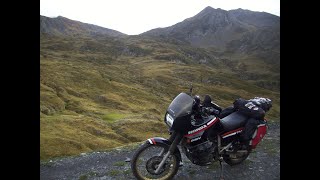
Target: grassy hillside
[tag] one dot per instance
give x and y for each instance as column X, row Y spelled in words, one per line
column 99, row 93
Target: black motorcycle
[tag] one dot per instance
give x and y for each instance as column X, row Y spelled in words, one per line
column 202, row 136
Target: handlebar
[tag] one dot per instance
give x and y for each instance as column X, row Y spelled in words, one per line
column 210, row 111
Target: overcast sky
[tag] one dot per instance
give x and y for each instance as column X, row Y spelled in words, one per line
column 133, row 17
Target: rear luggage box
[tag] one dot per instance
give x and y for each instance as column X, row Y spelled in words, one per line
column 258, row 135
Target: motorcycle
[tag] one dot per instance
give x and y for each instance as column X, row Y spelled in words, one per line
column 202, row 136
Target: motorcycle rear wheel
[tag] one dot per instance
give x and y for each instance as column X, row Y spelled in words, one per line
column 146, row 160
column 235, row 160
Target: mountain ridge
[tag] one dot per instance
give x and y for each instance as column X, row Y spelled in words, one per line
column 66, row 27
column 216, row 28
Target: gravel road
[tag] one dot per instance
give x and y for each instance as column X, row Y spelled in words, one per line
column 262, row 164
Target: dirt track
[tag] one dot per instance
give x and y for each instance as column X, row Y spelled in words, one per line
column 262, row 164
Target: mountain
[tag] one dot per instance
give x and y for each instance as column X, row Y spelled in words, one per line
column 238, row 34
column 66, row 27
column 105, row 92
column 225, row 30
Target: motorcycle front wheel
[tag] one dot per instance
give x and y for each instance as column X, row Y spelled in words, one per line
column 146, row 159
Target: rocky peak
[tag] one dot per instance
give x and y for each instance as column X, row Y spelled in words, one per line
column 217, row 28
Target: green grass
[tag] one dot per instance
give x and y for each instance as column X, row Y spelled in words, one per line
column 105, row 98
column 112, row 117
column 83, row 177
column 114, row 172
column 66, row 135
column 127, row 172
column 86, row 176
column 119, row 163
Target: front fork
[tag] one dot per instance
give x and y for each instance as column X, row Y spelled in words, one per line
column 175, row 138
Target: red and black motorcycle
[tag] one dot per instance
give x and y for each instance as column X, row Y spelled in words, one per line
column 202, row 136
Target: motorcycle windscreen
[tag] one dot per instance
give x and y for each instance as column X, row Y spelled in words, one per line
column 180, row 106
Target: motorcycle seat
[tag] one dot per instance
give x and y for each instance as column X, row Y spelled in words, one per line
column 233, row 121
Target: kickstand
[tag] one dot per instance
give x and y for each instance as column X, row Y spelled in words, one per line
column 221, row 168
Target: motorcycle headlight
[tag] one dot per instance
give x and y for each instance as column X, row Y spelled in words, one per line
column 169, row 120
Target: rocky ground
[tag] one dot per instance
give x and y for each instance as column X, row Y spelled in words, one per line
column 262, row 164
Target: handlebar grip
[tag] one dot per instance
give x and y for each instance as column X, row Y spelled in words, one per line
column 210, row 110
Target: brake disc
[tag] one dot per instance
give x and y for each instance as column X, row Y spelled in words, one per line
column 153, row 163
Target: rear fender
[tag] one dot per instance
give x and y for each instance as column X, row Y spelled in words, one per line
column 164, row 142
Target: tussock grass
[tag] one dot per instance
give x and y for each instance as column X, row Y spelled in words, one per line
column 112, row 117
column 97, row 94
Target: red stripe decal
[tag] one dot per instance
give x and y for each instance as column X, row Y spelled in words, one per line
column 230, row 132
column 154, row 142
column 216, row 120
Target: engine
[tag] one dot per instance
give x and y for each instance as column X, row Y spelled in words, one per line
column 201, row 154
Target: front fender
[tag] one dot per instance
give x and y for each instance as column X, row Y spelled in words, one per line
column 164, row 142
